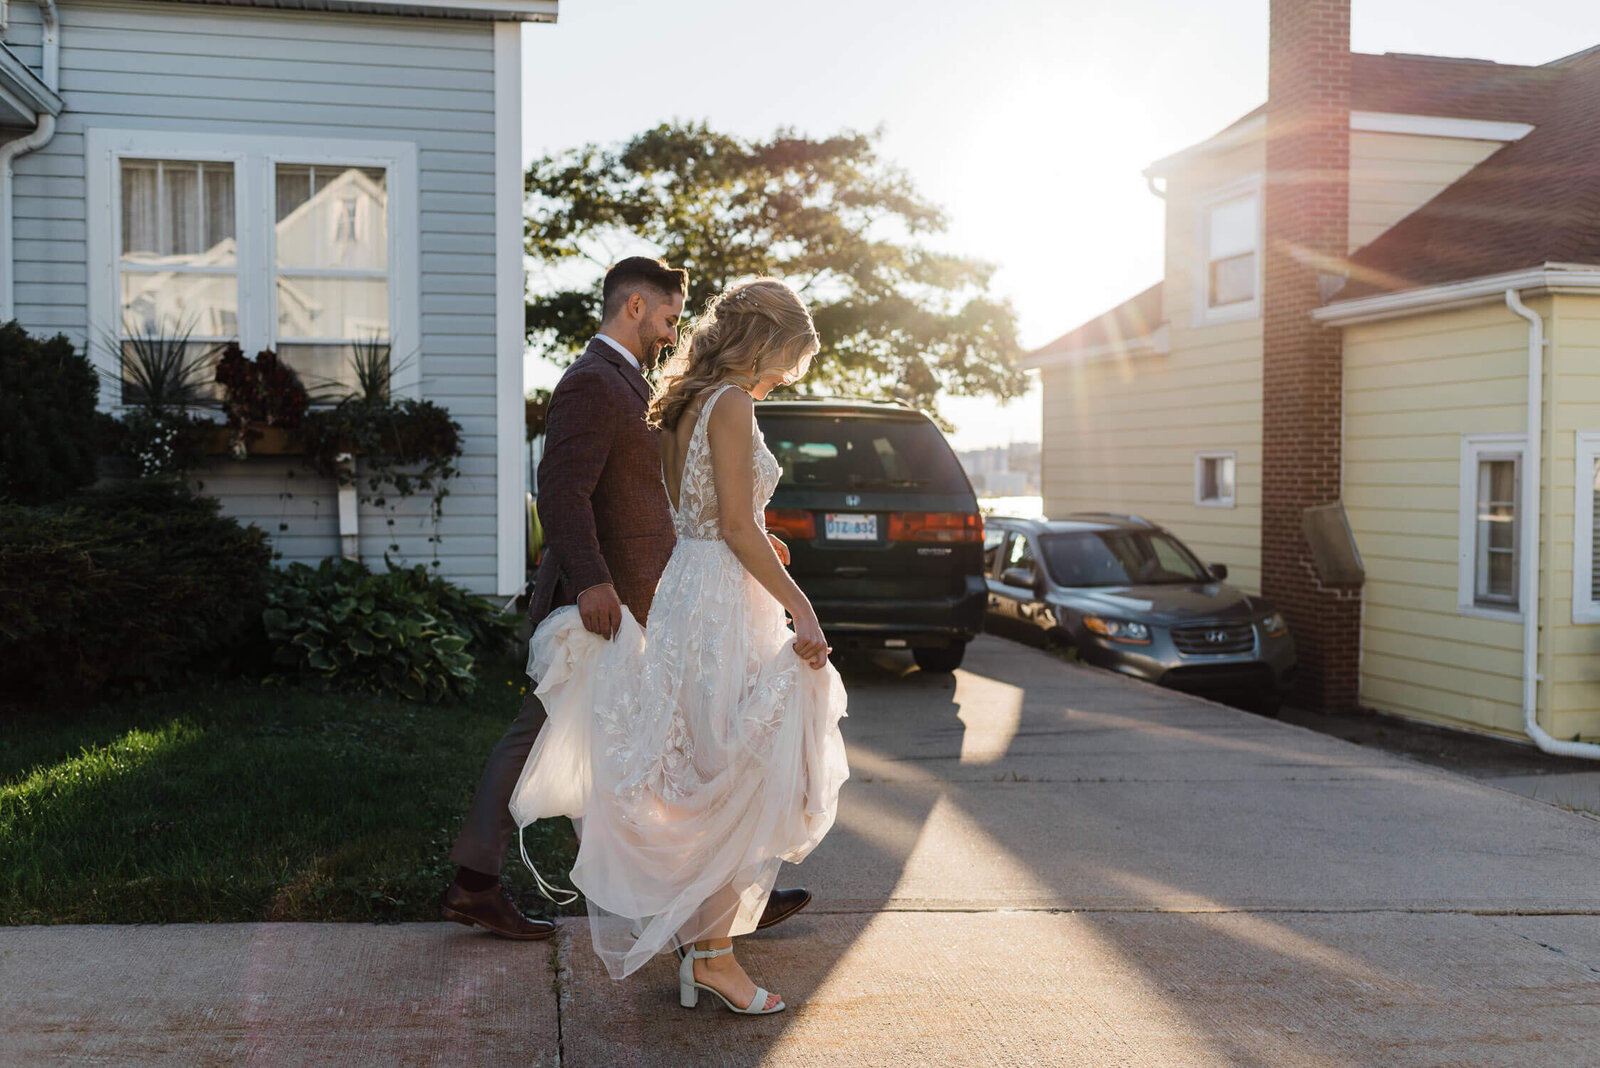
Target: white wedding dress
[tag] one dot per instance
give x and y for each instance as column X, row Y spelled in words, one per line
column 693, row 756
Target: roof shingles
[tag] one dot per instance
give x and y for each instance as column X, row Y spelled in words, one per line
column 1535, row 201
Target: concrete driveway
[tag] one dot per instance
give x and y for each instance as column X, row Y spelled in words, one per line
column 1034, row 864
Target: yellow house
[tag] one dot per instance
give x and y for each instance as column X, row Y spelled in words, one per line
column 1441, row 380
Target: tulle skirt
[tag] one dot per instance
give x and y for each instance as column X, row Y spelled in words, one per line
column 694, row 757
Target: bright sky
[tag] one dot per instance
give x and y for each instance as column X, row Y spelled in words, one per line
column 1028, row 121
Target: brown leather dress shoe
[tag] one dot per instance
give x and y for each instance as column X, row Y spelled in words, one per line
column 781, row 904
column 494, row 911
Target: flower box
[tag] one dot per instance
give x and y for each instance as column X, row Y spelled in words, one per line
column 259, row 441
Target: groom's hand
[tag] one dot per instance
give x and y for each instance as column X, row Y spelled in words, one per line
column 601, row 610
column 780, row 548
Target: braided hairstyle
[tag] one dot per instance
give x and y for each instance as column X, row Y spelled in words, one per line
column 747, row 331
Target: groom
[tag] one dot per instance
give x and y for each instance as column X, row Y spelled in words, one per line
column 608, row 534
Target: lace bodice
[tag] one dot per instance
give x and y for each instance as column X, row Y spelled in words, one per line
column 698, row 511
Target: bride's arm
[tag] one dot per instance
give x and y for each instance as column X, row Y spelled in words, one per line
column 730, row 432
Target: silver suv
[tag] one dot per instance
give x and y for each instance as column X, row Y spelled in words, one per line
column 1129, row 596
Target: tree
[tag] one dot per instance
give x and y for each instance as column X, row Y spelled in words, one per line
column 828, row 216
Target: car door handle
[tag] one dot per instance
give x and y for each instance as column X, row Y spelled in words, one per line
column 850, row 572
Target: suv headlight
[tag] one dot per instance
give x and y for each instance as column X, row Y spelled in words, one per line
column 1118, row 630
column 1274, row 626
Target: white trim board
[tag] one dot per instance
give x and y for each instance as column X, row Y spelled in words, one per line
column 520, row 10
column 1254, row 128
column 1437, row 126
column 253, row 157
column 1487, row 289
column 509, row 298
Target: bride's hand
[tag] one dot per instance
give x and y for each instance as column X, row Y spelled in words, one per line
column 809, row 643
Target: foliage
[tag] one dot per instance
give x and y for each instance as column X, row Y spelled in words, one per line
column 163, row 442
column 134, row 584
column 230, row 801
column 159, row 367
column 897, row 319
column 406, row 445
column 47, row 417
column 403, row 632
column 263, row 391
column 535, row 410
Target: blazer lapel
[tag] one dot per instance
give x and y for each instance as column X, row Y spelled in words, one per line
column 624, row 368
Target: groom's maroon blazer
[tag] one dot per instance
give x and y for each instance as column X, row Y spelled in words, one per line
column 602, row 503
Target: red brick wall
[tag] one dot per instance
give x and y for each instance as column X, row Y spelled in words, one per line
column 1306, row 229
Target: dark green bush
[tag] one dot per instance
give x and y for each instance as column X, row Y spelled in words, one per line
column 401, row 631
column 136, row 584
column 47, row 417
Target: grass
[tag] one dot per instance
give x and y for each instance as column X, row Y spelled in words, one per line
column 235, row 801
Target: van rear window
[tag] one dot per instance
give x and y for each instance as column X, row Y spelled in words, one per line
column 853, row 454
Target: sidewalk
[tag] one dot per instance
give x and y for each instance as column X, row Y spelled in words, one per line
column 1034, row 864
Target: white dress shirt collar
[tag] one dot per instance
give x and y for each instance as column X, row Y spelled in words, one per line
column 614, row 343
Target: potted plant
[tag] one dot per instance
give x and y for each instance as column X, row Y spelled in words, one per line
column 263, row 400
column 162, row 378
column 400, row 446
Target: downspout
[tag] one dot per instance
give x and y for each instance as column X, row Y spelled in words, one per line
column 43, row 131
column 1150, row 182
column 1529, row 506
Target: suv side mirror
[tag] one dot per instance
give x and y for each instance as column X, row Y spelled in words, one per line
column 1219, row 571
column 1021, row 577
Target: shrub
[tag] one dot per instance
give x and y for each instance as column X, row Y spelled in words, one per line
column 47, row 417
column 339, row 625
column 137, row 584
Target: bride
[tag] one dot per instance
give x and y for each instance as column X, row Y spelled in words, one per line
column 695, row 755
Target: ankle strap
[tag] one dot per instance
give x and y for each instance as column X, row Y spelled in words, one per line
column 702, row 954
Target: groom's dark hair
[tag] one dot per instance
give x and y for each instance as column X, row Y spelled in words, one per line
column 626, row 276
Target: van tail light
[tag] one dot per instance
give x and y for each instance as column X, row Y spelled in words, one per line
column 936, row 526
column 794, row 524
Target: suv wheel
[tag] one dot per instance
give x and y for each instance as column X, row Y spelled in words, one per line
column 947, row 658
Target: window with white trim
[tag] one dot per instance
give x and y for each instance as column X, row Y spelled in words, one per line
column 1585, row 545
column 1491, row 537
column 1231, row 229
column 1228, row 252
column 178, row 267
column 332, row 266
column 304, row 245
column 1214, row 478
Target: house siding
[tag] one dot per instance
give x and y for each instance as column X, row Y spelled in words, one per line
column 1571, row 656
column 1121, row 434
column 1412, row 389
column 1392, row 175
column 297, row 74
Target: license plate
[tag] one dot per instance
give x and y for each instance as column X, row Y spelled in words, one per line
column 838, row 527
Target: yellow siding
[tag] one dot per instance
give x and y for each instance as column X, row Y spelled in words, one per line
column 1392, row 175
column 1571, row 655
column 1412, row 389
column 1121, row 435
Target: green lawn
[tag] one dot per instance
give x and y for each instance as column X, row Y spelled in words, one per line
column 238, row 801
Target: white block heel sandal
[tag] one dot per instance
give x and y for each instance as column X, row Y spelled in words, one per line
column 689, row 990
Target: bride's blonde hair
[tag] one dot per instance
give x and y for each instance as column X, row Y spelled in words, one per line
column 747, row 331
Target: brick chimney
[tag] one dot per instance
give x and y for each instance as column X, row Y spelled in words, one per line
column 1306, row 229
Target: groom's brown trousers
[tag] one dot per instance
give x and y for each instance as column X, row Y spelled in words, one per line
column 606, row 520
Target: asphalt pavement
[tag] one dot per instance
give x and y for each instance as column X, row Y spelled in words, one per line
column 1035, row 863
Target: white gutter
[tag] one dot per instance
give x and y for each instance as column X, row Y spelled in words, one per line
column 43, row 131
column 1550, row 277
column 1531, row 478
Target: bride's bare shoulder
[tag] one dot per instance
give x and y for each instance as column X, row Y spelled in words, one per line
column 732, row 408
